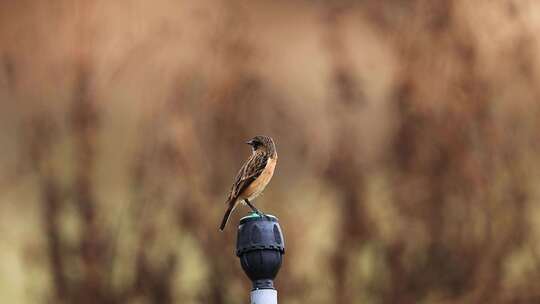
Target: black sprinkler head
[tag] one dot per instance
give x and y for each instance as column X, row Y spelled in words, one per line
column 260, row 247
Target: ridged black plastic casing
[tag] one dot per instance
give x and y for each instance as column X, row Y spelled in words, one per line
column 260, row 246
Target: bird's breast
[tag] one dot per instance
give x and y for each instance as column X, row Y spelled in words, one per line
column 258, row 185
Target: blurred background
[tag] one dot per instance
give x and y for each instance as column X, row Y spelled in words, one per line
column 407, row 134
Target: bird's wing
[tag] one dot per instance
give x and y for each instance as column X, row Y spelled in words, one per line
column 251, row 169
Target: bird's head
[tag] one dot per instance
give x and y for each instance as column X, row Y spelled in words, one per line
column 262, row 143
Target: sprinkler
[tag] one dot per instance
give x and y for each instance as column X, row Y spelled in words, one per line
column 260, row 246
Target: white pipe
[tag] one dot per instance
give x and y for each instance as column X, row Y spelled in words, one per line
column 264, row 296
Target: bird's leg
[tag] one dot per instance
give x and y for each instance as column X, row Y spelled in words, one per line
column 253, row 208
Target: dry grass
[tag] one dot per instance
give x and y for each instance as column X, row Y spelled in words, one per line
column 407, row 132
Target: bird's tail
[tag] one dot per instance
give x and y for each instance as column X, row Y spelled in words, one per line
column 232, row 204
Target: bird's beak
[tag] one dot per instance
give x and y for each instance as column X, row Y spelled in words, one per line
column 250, row 142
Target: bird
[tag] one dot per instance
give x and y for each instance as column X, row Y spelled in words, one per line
column 253, row 176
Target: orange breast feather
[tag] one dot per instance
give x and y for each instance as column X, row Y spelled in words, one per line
column 258, row 185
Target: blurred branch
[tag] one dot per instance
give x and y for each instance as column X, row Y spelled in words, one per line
column 84, row 128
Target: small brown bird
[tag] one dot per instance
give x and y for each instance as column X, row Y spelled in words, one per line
column 254, row 175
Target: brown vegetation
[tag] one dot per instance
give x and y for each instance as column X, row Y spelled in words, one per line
column 406, row 133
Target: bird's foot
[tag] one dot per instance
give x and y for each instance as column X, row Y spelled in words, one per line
column 255, row 210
